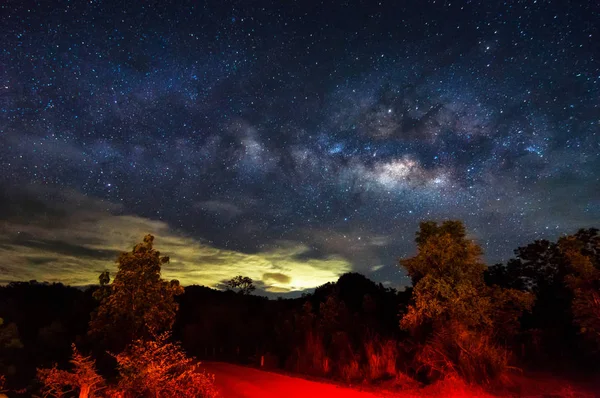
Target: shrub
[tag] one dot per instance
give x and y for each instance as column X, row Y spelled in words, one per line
column 381, row 358
column 310, row 357
column 350, row 370
column 160, row 369
column 83, row 379
column 460, row 351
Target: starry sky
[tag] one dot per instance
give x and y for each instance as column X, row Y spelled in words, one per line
column 290, row 141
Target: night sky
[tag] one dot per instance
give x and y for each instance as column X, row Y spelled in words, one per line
column 290, row 141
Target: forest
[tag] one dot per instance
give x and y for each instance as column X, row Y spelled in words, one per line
column 136, row 334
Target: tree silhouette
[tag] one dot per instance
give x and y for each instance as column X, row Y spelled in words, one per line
column 550, row 271
column 243, row 284
column 139, row 303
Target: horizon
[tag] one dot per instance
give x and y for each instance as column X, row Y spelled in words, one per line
column 263, row 288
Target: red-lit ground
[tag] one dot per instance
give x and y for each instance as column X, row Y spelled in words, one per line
column 242, row 382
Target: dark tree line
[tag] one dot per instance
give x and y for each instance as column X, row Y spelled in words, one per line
column 564, row 277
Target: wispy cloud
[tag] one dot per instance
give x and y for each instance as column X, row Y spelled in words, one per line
column 72, row 238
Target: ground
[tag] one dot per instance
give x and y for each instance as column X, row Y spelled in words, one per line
column 236, row 381
column 242, row 382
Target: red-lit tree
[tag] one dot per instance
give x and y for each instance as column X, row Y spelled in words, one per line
column 454, row 314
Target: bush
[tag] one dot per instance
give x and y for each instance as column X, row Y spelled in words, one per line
column 381, row 359
column 83, row 379
column 310, row 358
column 460, row 351
column 350, row 370
column 160, row 369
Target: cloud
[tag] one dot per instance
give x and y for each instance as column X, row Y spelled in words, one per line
column 72, row 238
column 376, row 268
column 277, row 277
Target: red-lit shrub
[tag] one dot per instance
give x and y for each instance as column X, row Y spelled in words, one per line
column 83, row 379
column 381, row 358
column 350, row 370
column 310, row 357
column 158, row 368
column 460, row 351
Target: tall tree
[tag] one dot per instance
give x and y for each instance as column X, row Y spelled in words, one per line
column 454, row 314
column 447, row 275
column 139, row 303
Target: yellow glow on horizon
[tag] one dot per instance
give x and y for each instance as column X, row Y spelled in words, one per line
column 279, row 268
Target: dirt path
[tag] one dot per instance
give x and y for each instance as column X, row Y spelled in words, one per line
column 241, row 382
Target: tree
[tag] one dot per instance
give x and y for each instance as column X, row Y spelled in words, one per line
column 447, row 275
column 83, row 379
column 243, row 284
column 554, row 272
column 139, row 303
column 584, row 281
column 538, row 267
column 9, row 336
column 454, row 313
column 160, row 369
column 10, row 347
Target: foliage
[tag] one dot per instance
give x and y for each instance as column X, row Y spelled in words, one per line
column 158, row 368
column 139, row 303
column 562, row 278
column 9, row 336
column 584, row 280
column 457, row 350
column 350, row 370
column 381, row 358
column 41, row 322
column 507, row 310
column 448, row 278
column 348, row 330
column 83, row 379
column 11, row 348
column 243, row 284
column 453, row 309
